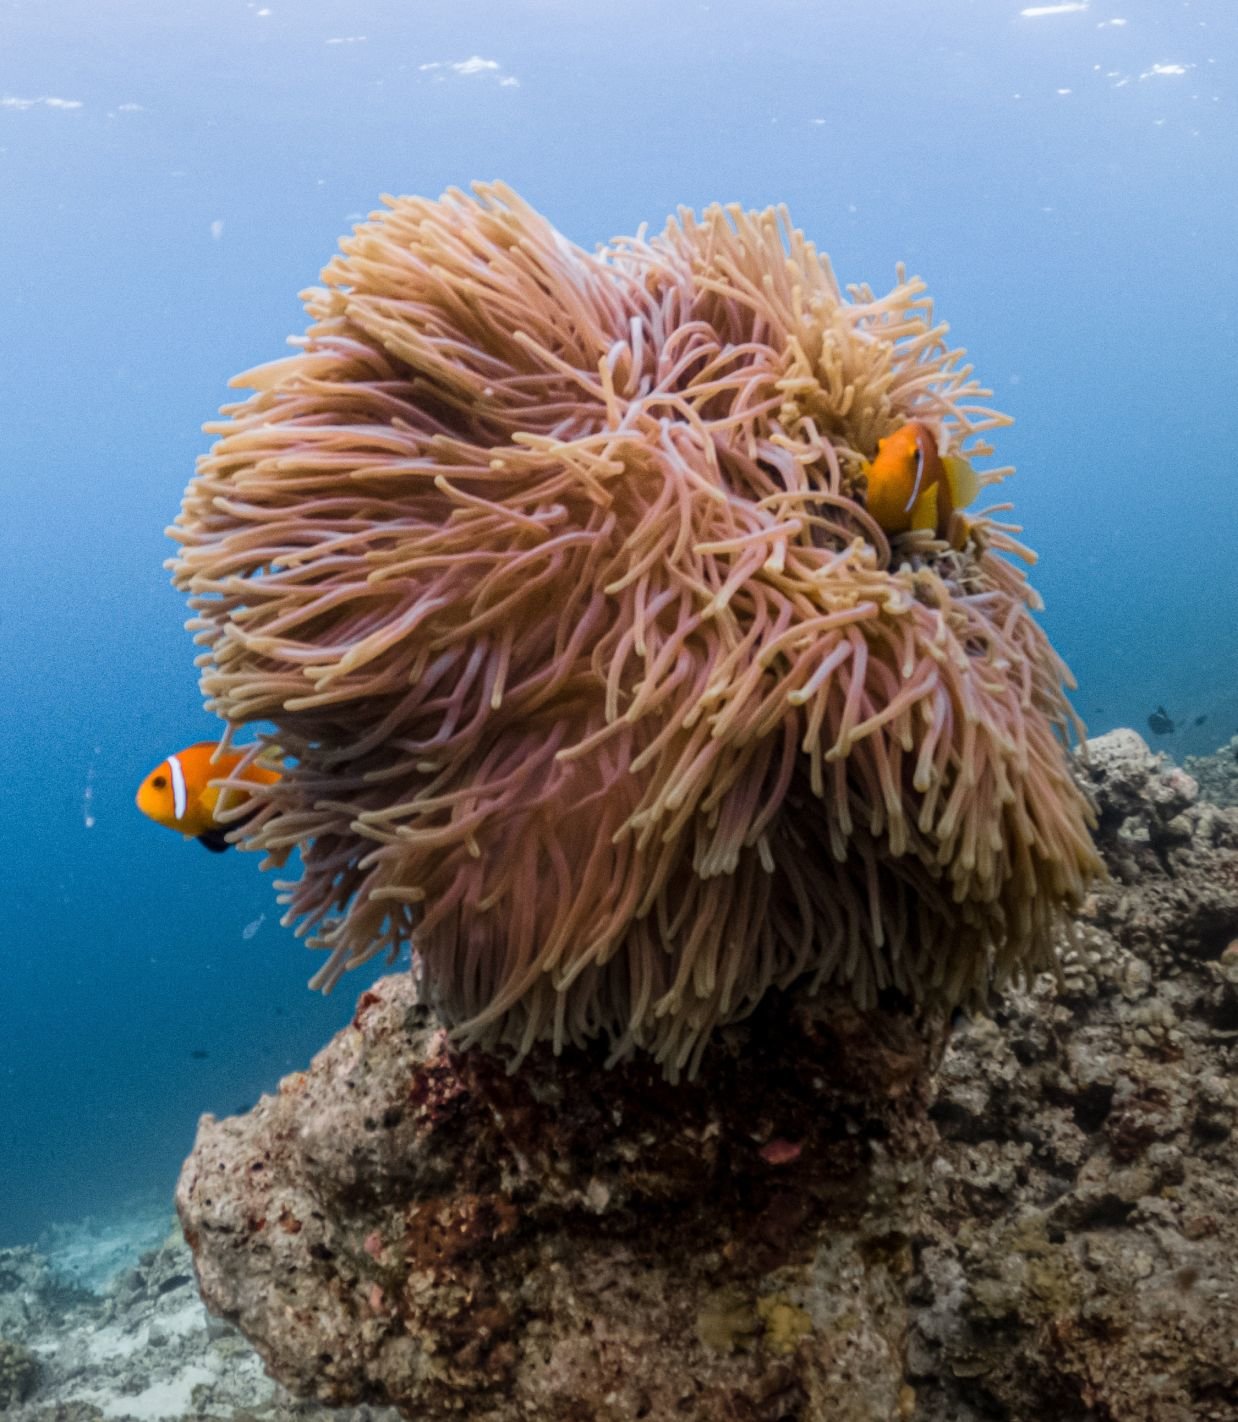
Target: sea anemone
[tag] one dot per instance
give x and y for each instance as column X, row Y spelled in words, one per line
column 597, row 683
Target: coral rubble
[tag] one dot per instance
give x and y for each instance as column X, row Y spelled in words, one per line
column 136, row 1347
column 18, row 1370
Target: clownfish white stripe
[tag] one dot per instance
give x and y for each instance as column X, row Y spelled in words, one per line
column 180, row 798
column 915, row 488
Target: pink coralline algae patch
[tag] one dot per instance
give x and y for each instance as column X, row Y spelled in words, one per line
column 780, row 1152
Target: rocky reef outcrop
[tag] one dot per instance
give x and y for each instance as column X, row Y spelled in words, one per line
column 835, row 1221
column 1216, row 774
column 402, row 1224
column 1079, row 1255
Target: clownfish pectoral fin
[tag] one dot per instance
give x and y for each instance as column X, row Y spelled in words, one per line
column 962, row 478
column 959, row 487
column 945, row 506
column 216, row 838
column 924, row 512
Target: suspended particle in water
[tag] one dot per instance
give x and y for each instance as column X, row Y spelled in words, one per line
column 88, row 793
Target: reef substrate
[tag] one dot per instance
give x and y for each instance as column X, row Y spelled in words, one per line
column 832, row 1221
column 405, row 1224
column 1080, row 1239
column 102, row 1322
column 1216, row 774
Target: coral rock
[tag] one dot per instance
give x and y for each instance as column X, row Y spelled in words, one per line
column 401, row 1224
column 1082, row 1223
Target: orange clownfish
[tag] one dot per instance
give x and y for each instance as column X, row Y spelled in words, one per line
column 912, row 486
column 180, row 795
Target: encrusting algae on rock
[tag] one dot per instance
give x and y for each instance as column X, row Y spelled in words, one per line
column 411, row 1225
column 597, row 681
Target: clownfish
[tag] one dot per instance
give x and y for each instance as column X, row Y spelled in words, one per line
column 180, row 794
column 912, row 486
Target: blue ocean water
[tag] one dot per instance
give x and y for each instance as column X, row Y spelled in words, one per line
column 1064, row 176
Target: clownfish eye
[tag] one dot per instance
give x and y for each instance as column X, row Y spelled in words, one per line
column 159, row 782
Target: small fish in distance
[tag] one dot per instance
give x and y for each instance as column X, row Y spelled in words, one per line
column 1160, row 723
